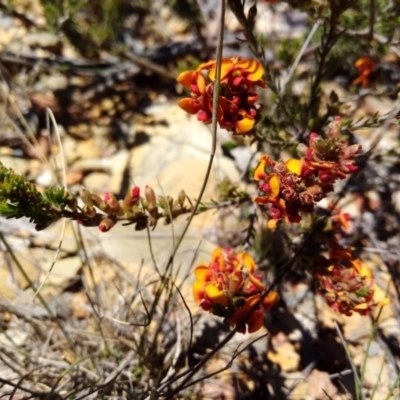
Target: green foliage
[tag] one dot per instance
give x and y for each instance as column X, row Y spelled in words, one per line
column 20, row 198
column 358, row 25
column 288, row 48
column 187, row 9
column 89, row 26
column 56, row 196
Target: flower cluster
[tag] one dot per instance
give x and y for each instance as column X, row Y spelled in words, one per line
column 133, row 209
column 230, row 287
column 347, row 284
column 237, row 110
column 293, row 187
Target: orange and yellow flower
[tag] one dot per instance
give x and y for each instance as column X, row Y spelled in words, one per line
column 277, row 183
column 237, row 109
column 230, row 287
column 290, row 189
column 348, row 285
column 366, row 66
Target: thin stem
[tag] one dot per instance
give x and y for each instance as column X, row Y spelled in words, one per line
column 359, row 391
column 371, row 20
column 213, row 147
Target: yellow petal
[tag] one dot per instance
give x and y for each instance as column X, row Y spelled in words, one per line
column 198, row 290
column 272, row 224
column 256, row 282
column 235, row 283
column 384, row 302
column 207, row 65
column 269, row 301
column 274, row 185
column 259, row 172
column 216, row 295
column 252, row 69
column 248, row 261
column 294, row 165
column 185, row 78
column 217, row 257
column 226, row 67
column 361, row 307
column 201, row 83
column 343, row 221
column 246, row 124
column 203, row 273
column 379, row 296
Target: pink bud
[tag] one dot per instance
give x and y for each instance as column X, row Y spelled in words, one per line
column 313, row 137
column 136, row 192
column 309, row 155
column 274, row 213
column 106, row 224
column 325, row 178
column 202, row 116
column 103, row 228
column 206, row 304
column 236, row 100
column 112, row 201
column 351, row 168
column 237, row 80
column 351, row 151
column 194, row 89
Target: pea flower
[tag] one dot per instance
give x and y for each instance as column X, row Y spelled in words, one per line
column 366, row 66
column 230, row 287
column 237, row 110
column 348, row 285
column 292, row 188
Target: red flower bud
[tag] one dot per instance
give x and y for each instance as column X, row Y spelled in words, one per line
column 136, row 192
column 106, row 196
column 106, row 224
column 112, row 201
column 275, row 213
column 202, row 116
column 132, row 198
